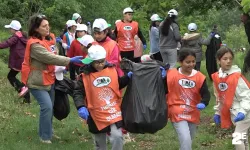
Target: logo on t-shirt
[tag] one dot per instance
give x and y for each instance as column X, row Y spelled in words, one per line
column 187, row 84
column 127, row 28
column 223, row 86
column 101, row 81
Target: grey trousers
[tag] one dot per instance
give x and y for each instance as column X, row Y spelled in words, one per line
column 116, row 139
column 186, row 132
column 242, row 127
column 169, row 56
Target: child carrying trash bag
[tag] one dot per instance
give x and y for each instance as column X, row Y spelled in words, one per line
column 187, row 95
column 98, row 99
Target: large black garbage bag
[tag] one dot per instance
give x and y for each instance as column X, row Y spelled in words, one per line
column 144, row 107
column 61, row 107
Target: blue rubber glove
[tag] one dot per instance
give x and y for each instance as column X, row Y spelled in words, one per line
column 145, row 47
column 58, row 39
column 68, row 47
column 130, row 74
column 83, row 113
column 163, row 72
column 240, row 116
column 200, row 106
column 217, row 119
column 65, row 71
column 212, row 34
column 76, row 59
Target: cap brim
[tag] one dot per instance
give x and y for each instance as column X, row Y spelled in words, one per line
column 7, row 26
column 87, row 60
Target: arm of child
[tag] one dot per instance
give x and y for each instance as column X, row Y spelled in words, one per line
column 205, row 41
column 11, row 41
column 79, row 94
column 123, row 81
column 217, row 106
column 205, row 94
column 114, row 57
column 243, row 95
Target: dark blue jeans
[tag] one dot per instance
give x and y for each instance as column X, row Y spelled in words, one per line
column 46, row 102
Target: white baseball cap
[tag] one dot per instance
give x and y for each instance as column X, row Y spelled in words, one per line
column 86, row 40
column 192, row 27
column 75, row 16
column 95, row 52
column 172, row 12
column 14, row 25
column 128, row 10
column 71, row 23
column 100, row 25
column 59, row 72
column 81, row 27
column 155, row 17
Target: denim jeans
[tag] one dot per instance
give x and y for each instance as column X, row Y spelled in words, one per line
column 46, row 102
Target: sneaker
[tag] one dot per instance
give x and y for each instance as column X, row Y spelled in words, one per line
column 24, row 90
column 56, row 137
column 46, row 141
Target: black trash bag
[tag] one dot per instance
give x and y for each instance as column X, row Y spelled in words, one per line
column 66, row 85
column 144, row 108
column 61, row 107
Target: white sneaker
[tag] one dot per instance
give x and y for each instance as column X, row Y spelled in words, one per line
column 56, row 137
column 46, row 141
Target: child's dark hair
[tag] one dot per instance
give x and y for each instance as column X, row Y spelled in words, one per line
column 185, row 52
column 222, row 51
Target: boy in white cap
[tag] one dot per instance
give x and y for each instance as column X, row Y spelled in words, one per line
column 125, row 32
column 75, row 47
column 98, row 99
column 194, row 40
column 77, row 18
column 100, row 28
column 16, row 43
column 68, row 38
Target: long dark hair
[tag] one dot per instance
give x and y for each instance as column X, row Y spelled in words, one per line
column 34, row 24
column 166, row 24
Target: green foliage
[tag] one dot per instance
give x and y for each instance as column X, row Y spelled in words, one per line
column 236, row 37
column 246, row 5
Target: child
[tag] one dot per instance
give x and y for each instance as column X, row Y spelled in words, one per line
column 75, row 47
column 232, row 96
column 98, row 100
column 194, row 40
column 17, row 43
column 187, row 94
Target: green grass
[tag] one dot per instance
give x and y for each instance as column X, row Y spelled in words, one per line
column 19, row 127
